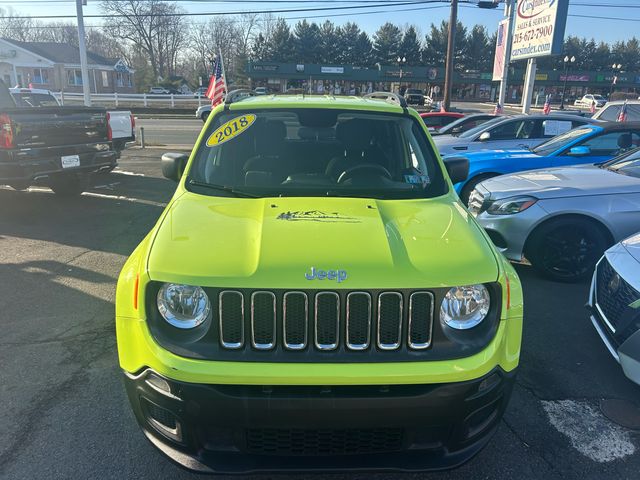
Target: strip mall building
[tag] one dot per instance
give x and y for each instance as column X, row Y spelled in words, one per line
column 472, row 86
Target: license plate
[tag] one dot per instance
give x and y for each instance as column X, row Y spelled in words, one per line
column 69, row 161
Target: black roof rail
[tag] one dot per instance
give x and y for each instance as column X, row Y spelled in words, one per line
column 387, row 97
column 235, row 96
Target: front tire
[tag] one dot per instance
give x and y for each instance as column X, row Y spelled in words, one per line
column 567, row 249
column 69, row 185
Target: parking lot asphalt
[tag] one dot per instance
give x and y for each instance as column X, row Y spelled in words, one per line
column 64, row 410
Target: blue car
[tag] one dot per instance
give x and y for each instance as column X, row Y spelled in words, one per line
column 586, row 144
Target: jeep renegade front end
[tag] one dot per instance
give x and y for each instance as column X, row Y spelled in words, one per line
column 315, row 297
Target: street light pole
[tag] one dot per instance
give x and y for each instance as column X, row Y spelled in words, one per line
column 448, row 72
column 566, row 61
column 401, row 61
column 82, row 46
column 615, row 67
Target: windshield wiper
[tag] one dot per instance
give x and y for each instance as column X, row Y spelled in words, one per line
column 223, row 188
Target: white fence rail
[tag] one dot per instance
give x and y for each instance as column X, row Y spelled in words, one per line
column 133, row 100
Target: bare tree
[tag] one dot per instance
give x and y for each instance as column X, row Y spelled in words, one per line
column 219, row 34
column 14, row 27
column 151, row 26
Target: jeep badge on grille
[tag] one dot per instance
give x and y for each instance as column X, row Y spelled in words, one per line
column 337, row 275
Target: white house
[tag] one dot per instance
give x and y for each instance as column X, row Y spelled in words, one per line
column 56, row 66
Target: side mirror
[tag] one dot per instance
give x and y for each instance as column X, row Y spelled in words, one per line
column 579, row 151
column 173, row 165
column 484, row 136
column 457, row 168
column 457, row 130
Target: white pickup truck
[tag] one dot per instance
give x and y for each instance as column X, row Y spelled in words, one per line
column 121, row 123
column 588, row 100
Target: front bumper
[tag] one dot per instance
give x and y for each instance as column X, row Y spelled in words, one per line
column 625, row 352
column 509, row 233
column 31, row 164
column 254, row 428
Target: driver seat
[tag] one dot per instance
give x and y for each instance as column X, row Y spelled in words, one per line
column 357, row 137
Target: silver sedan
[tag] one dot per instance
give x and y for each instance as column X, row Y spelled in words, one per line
column 561, row 220
column 614, row 301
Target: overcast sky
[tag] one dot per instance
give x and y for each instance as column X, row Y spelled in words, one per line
column 601, row 29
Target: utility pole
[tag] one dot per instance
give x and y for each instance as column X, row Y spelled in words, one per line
column 510, row 11
column 86, row 88
column 448, row 75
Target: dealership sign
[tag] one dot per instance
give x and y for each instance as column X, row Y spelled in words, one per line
column 539, row 28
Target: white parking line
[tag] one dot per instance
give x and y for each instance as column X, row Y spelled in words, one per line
column 589, row 432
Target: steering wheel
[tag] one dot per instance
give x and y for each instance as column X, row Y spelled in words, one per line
column 372, row 167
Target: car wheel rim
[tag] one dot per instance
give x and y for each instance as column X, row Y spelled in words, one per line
column 569, row 252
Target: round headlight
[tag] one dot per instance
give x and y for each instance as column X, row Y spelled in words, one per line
column 183, row 306
column 465, row 307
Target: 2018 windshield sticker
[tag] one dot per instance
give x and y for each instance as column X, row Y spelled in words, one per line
column 230, row 129
column 316, row 216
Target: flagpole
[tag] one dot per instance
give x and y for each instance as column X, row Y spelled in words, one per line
column 224, row 74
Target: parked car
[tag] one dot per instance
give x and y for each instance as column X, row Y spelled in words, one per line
column 464, row 123
column 611, row 111
column 59, row 147
column 256, row 275
column 436, row 120
column 260, row 91
column 414, row 96
column 203, row 112
column 561, row 219
column 122, row 123
column 614, row 299
column 586, row 144
column 590, row 99
column 159, row 91
column 509, row 131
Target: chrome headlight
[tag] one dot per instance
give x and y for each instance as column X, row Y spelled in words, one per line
column 465, row 307
column 511, row 206
column 183, row 306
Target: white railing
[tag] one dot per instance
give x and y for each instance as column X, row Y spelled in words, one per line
column 133, row 99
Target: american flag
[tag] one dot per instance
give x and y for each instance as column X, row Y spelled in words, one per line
column 217, row 84
column 498, row 110
column 442, row 109
column 622, row 116
column 592, row 108
column 547, row 105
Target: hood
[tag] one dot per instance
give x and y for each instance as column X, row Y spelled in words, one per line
column 496, row 155
column 275, row 242
column 632, row 245
column 562, row 183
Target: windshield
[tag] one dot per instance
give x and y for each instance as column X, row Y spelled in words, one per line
column 561, row 141
column 312, row 152
column 481, row 128
column 598, row 97
column 626, row 164
column 28, row 99
column 414, row 91
column 467, row 123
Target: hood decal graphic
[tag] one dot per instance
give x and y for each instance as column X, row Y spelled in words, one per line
column 316, row 216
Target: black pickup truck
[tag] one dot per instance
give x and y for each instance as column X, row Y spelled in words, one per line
column 59, row 147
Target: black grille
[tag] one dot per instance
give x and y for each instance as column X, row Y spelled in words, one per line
column 323, row 442
column 231, row 319
column 613, row 293
column 420, row 318
column 327, row 317
column 358, row 320
column 389, row 320
column 160, row 415
column 263, row 320
column 295, row 313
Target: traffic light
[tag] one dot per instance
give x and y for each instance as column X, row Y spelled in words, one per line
column 488, row 3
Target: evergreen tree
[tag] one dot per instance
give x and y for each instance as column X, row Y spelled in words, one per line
column 280, row 44
column 386, row 44
column 329, row 43
column 410, row 47
column 363, row 51
column 478, row 52
column 435, row 51
column 307, row 42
